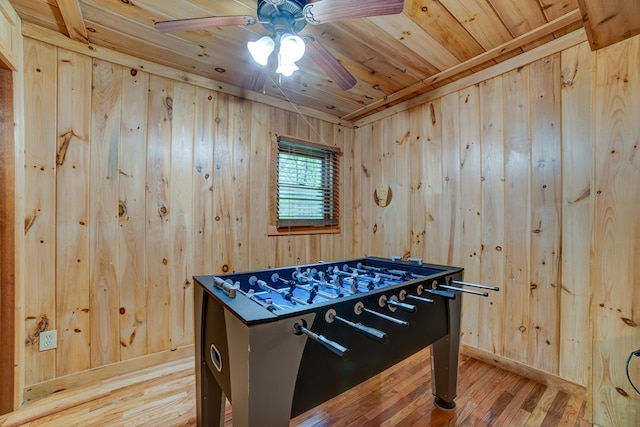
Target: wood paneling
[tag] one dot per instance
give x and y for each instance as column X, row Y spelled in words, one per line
column 106, row 99
column 10, row 44
column 145, row 182
column 393, row 57
column 132, row 244
column 7, row 241
column 615, row 300
column 494, row 177
column 72, row 213
column 487, row 160
column 609, row 21
column 577, row 212
column 546, row 130
column 40, row 82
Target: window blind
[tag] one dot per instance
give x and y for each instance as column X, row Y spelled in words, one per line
column 307, row 184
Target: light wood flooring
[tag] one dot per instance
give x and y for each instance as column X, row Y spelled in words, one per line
column 400, row 396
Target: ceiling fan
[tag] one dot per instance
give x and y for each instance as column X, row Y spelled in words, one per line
column 284, row 19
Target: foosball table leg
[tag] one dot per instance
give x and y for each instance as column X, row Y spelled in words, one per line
column 210, row 400
column 444, row 359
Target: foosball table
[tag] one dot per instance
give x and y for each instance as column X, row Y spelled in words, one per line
column 278, row 342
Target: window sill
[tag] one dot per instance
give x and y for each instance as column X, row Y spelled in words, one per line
column 272, row 230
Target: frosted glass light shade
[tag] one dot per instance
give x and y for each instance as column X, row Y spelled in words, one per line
column 261, row 49
column 291, row 48
column 287, row 69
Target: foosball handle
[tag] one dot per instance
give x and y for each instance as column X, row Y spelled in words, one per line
column 444, row 294
column 410, row 308
column 321, row 339
column 374, row 333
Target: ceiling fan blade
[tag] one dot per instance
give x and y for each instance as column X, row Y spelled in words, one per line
column 256, row 80
column 323, row 11
column 206, row 22
column 329, row 64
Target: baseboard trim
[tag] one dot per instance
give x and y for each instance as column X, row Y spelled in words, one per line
column 46, row 388
column 535, row 374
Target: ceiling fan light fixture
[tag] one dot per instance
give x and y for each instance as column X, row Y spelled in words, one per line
column 261, row 49
column 291, row 48
column 286, row 68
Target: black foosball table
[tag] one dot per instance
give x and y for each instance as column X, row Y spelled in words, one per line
column 281, row 341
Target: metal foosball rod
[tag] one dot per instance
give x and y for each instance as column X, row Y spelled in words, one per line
column 421, row 299
column 370, row 283
column 254, row 281
column 396, row 278
column 275, row 277
column 467, row 291
column 475, row 285
column 394, row 303
column 359, row 308
column 321, row 339
column 404, row 275
column 322, row 283
column 367, row 331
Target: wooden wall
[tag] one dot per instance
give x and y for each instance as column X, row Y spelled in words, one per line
column 615, row 268
column 477, row 178
column 497, row 178
column 136, row 182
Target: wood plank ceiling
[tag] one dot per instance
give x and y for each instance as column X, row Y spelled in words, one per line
column 393, row 58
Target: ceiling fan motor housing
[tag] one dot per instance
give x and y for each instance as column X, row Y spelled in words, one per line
column 281, row 16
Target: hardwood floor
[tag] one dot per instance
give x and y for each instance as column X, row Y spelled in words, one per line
column 400, row 396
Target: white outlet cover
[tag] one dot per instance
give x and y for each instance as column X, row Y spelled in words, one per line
column 48, row 340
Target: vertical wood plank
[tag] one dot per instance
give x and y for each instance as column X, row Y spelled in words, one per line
column 354, row 177
column 517, row 212
column 180, row 220
column 40, row 76
column 434, row 181
column 546, row 212
column 72, row 212
column 388, row 229
column 491, row 309
column 158, row 211
column 132, row 215
column 9, row 360
column 203, row 181
column 416, row 168
column 451, row 209
column 471, row 206
column 240, row 137
column 364, row 147
column 379, row 245
column 401, row 205
column 577, row 206
column 615, row 301
column 343, row 243
column 259, row 176
column 222, row 188
column 103, row 206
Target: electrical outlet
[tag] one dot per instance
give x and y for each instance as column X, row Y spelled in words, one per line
column 48, row 340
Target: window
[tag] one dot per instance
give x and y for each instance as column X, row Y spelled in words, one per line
column 307, row 188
